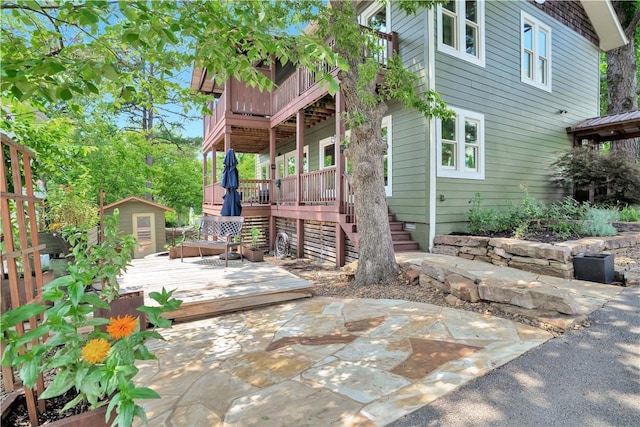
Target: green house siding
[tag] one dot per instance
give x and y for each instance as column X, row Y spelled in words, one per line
column 410, row 152
column 524, row 131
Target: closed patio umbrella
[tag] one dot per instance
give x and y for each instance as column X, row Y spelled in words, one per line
column 232, row 204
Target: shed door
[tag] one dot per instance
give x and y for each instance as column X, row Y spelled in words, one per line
column 144, row 231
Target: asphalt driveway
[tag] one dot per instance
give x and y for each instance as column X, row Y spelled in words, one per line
column 587, row 377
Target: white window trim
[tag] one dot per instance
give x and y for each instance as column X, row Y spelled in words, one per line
column 285, row 158
column 460, row 171
column 322, row 144
column 459, row 51
column 537, row 25
column 372, row 9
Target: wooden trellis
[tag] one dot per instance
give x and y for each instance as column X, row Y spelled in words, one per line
column 20, row 254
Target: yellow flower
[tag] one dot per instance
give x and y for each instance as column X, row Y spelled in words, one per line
column 96, row 350
column 121, row 327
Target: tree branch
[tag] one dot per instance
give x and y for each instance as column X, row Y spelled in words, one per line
column 631, row 28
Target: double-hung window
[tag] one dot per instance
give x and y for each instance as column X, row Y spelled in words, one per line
column 461, row 30
column 461, row 145
column 536, row 52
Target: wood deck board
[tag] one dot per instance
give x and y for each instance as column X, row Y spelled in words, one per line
column 207, row 288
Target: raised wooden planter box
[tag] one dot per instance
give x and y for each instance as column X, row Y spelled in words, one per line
column 125, row 304
column 174, row 252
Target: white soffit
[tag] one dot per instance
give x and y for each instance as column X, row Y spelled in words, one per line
column 605, row 22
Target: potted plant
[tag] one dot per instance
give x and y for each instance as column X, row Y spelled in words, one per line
column 253, row 252
column 93, row 354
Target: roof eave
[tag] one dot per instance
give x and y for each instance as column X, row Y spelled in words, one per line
column 605, row 21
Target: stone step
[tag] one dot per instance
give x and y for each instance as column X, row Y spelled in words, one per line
column 476, row 280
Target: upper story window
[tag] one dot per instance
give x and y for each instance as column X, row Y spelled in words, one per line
column 536, row 52
column 378, row 17
column 461, row 30
column 461, row 145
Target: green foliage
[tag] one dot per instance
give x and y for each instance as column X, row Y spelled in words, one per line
column 613, row 179
column 70, row 209
column 563, row 219
column 99, row 365
column 255, row 237
column 630, row 214
column 106, row 260
column 598, row 222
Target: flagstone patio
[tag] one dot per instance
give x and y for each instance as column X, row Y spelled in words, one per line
column 323, row 362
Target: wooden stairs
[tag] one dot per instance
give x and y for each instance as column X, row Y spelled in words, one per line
column 402, row 241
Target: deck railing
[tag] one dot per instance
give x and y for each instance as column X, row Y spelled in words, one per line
column 348, row 207
column 287, row 191
column 319, row 186
column 255, row 191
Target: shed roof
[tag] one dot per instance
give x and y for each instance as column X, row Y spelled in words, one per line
column 136, row 199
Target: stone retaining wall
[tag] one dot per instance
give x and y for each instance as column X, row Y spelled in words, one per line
column 627, row 226
column 552, row 259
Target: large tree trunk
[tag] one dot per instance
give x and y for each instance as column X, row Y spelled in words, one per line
column 622, row 78
column 366, row 150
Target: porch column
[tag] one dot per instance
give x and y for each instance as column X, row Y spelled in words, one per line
column 340, row 236
column 299, row 153
column 205, row 175
column 272, row 187
column 214, row 155
column 272, row 153
column 338, row 152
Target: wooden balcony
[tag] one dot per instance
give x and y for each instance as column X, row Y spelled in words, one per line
column 246, row 114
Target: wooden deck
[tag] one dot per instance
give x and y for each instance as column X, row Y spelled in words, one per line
column 207, row 288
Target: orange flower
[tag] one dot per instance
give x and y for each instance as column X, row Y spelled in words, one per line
column 121, row 327
column 96, row 350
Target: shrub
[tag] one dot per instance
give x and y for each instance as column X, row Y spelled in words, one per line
column 612, row 179
column 598, row 222
column 482, row 220
column 630, row 214
column 562, row 218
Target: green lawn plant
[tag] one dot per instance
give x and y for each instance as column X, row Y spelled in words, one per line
column 630, row 214
column 99, row 365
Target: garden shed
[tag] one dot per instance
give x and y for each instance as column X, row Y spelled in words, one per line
column 145, row 220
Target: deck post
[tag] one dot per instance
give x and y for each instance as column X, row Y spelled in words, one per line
column 205, row 173
column 338, row 152
column 340, row 246
column 300, row 235
column 299, row 154
column 227, row 138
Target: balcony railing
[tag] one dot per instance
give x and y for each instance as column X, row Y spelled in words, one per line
column 250, row 101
